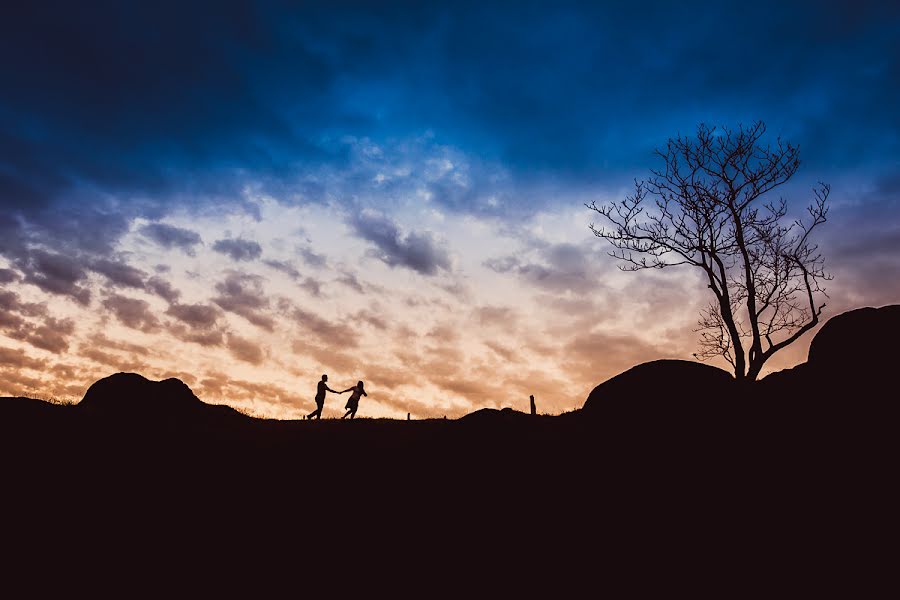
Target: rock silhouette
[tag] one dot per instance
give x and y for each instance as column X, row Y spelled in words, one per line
column 662, row 383
column 129, row 395
column 853, row 357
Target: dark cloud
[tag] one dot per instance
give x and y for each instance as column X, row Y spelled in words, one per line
column 373, row 318
column 163, row 289
column 311, row 258
column 312, row 286
column 169, row 236
column 119, row 273
column 102, row 341
column 11, row 357
column 352, row 282
column 56, row 274
column 203, row 337
column 243, row 294
column 53, row 335
column 132, row 312
column 559, row 268
column 245, row 350
column 415, row 250
column 198, row 316
column 238, row 249
column 332, row 333
column 285, row 267
column 567, row 90
column 10, row 303
column 8, row 276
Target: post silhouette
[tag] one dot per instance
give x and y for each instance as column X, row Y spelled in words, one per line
column 533, row 407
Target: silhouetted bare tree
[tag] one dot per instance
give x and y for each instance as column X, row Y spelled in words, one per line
column 705, row 208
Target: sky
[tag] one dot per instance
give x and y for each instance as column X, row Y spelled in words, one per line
column 248, row 195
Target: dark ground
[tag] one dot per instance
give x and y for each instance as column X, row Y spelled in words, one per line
column 787, row 487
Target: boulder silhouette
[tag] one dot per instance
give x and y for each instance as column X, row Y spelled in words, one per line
column 851, row 357
column 493, row 415
column 861, row 339
column 133, row 395
column 661, row 383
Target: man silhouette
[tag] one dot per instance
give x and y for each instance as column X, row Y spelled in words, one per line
column 320, row 398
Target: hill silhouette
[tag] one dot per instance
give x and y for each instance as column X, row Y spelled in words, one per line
column 667, row 452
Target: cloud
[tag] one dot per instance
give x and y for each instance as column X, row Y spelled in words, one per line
column 312, row 286
column 10, row 302
column 285, row 267
column 209, row 338
column 132, row 312
column 56, row 274
column 52, row 336
column 245, row 350
column 11, row 357
column 8, row 276
column 243, row 294
column 373, row 318
column 163, row 289
column 595, row 357
column 116, row 362
column 335, row 334
column 415, row 250
column 170, row 236
column 502, row 317
column 100, row 340
column 312, row 259
column 197, row 316
column 559, row 268
column 238, row 250
column 119, row 274
column 351, row 281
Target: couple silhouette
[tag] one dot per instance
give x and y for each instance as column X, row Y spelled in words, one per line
column 352, row 403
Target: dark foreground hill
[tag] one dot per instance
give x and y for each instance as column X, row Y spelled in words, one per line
column 668, row 464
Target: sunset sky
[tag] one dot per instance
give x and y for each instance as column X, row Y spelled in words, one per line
column 246, row 196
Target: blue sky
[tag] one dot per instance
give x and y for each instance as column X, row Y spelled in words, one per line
column 397, row 130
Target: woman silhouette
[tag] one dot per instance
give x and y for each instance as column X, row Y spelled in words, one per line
column 353, row 401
